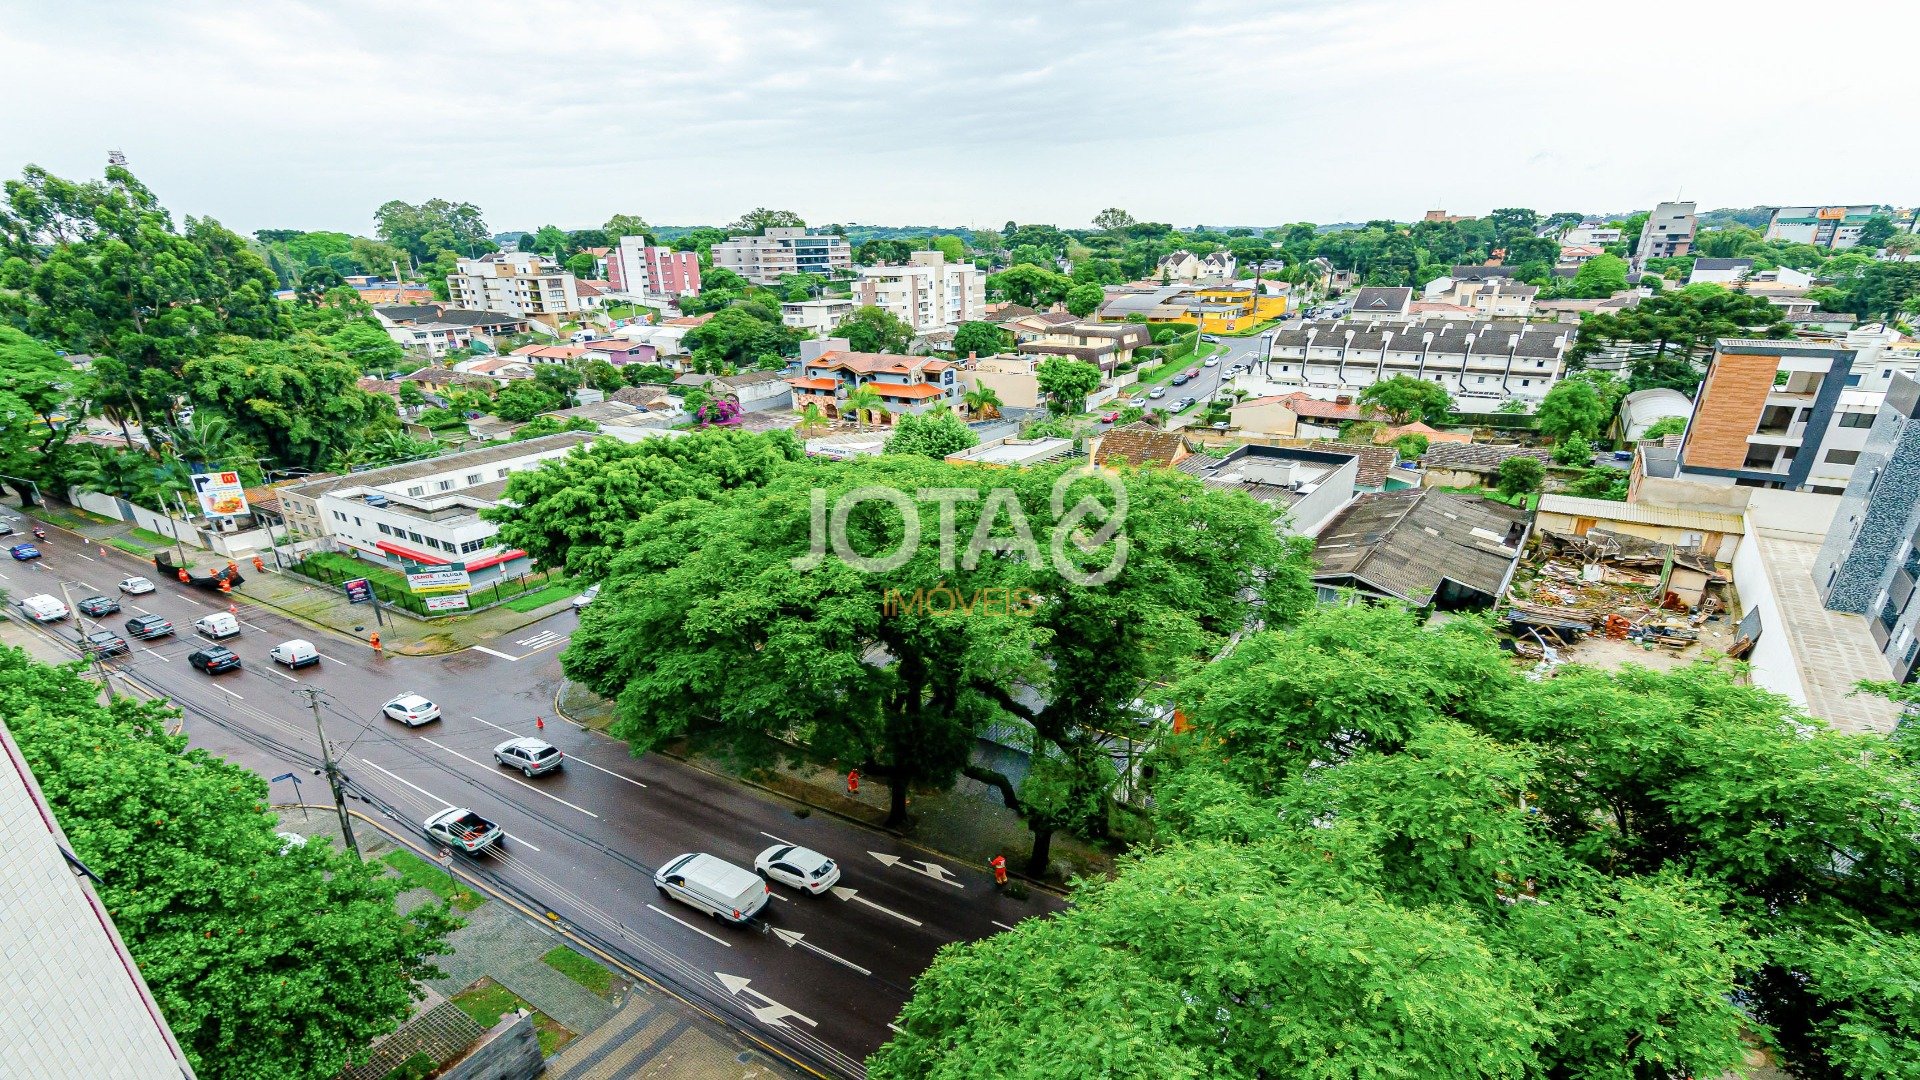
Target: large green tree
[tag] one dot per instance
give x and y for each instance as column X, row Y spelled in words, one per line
column 935, row 435
column 760, row 219
column 247, row 947
column 296, row 400
column 39, row 394
column 980, row 339
column 1573, row 408
column 875, row 330
column 1031, row 286
column 434, row 228
column 1668, row 337
column 1066, row 382
column 1406, row 399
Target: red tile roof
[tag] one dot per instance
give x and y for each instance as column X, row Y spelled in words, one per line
column 869, row 363
column 814, row 384
column 910, row 390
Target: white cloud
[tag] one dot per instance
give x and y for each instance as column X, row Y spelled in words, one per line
column 310, row 114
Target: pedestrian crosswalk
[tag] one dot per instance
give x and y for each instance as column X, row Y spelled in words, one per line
column 538, row 641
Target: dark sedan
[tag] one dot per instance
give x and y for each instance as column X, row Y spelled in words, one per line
column 97, row 606
column 148, row 627
column 105, row 643
column 215, row 660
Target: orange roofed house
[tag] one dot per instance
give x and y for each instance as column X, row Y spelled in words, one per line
column 906, row 384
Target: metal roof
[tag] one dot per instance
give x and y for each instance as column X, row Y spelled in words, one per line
column 1643, row 514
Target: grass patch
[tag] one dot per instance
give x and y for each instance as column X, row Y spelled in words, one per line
column 580, row 969
column 154, row 538
column 487, row 1001
column 418, row 873
column 132, row 547
column 417, row 1067
column 347, row 568
column 540, row 598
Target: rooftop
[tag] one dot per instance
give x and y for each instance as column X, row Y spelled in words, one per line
column 414, row 470
column 1641, row 513
column 1275, row 474
column 1014, row 452
column 1479, row 457
column 1140, row 444
column 1407, row 544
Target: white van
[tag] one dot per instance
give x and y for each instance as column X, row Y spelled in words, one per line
column 297, row 653
column 43, row 608
column 217, row 626
column 715, row 886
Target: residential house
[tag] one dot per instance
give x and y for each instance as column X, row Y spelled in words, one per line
column 1216, row 268
column 1668, row 233
column 1105, row 345
column 621, row 351
column 1482, row 364
column 1455, row 465
column 669, row 342
column 1833, row 227
column 1423, row 547
column 425, row 513
column 558, row 355
column 1375, row 304
column 1294, row 416
column 1312, row 485
column 1484, row 298
column 1575, row 254
column 817, row 317
column 1570, row 310
column 1591, row 233
column 1035, row 325
column 637, row 268
column 1478, row 273
column 1011, row 377
column 531, row 287
column 1719, row 271
column 1140, row 444
column 905, row 384
column 501, row 369
column 435, row 382
column 623, row 421
column 1226, row 309
column 765, row 258
column 928, row 293
column 438, row 329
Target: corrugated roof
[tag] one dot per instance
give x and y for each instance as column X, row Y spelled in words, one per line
column 1642, row 514
column 1405, row 544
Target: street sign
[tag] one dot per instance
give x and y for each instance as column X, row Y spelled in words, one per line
column 359, row 591
column 425, row 580
column 220, row 493
column 456, row 602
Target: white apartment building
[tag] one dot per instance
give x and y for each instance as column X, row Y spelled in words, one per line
column 763, row 259
column 425, row 512
column 817, row 317
column 1482, row 364
column 637, row 268
column 929, row 293
column 515, row 283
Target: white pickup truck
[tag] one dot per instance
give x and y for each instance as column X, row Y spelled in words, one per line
column 461, row 828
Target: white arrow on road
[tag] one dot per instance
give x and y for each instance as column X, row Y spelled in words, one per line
column 853, row 894
column 772, row 1012
column 793, row 939
column 928, row 869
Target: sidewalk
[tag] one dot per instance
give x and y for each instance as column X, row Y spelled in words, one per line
column 967, row 821
column 327, row 606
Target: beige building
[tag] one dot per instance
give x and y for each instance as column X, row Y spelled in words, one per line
column 1291, row 416
column 928, row 293
column 817, row 317
column 1106, row 345
column 516, row 283
column 765, row 258
column 1011, row 378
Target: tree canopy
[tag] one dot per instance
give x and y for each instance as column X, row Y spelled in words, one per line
column 1066, row 382
column 246, row 947
column 872, row 329
column 1668, row 337
column 1406, row 399
column 1573, row 408
column 934, row 435
column 980, row 339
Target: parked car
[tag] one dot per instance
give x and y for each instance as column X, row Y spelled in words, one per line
column 531, row 756
column 1208, row 337
column 1222, row 425
column 136, row 586
column 803, row 868
column 1137, row 401
column 214, row 659
column 148, row 627
column 7, row 528
column 24, row 552
column 411, row 709
column 97, row 606
column 1157, row 393
column 1109, row 417
column 713, row 885
column 1183, row 404
column 588, row 597
column 105, row 643
column 296, row 654
column 461, row 828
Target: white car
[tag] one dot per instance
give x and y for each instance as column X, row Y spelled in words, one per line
column 411, row 709
column 1137, row 401
column 136, row 586
column 588, row 597
column 803, row 868
column 1211, row 361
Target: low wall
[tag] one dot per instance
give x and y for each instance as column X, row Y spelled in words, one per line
column 243, row 544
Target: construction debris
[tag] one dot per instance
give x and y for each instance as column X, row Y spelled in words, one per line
column 1622, row 587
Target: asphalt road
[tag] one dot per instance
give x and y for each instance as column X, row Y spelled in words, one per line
column 820, row 980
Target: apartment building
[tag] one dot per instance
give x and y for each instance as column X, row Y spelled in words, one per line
column 638, row 268
column 438, row 329
column 905, row 384
column 1833, row 227
column 424, row 512
column 1668, row 232
column 1870, row 562
column 763, row 259
column 1482, row 364
column 1592, row 234
column 928, row 293
column 818, row 317
column 1106, row 345
column 1778, row 414
column 515, row 283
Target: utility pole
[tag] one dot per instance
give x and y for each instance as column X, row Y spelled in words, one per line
column 333, row 771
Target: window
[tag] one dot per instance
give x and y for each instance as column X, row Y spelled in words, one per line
column 1856, row 419
column 415, row 537
column 384, row 531
column 446, row 485
column 503, row 474
column 356, row 521
column 340, row 515
column 472, row 546
column 473, row 478
column 1842, row 457
column 1761, row 457
column 416, row 490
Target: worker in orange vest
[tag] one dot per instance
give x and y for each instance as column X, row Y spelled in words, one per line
column 259, row 565
column 999, row 864
column 853, row 781
column 183, row 575
column 374, row 640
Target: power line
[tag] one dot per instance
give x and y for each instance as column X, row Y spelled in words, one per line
column 333, row 774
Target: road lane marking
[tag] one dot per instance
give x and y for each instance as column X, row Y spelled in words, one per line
column 777, row 840
column 157, row 655
column 490, row 652
column 228, row 692
column 772, row 1013
column 84, row 585
column 503, row 776
column 793, row 939
column 693, row 928
column 89, row 558
column 1000, row 924
column 140, row 609
column 286, row 676
column 854, row 895
column 932, row 869
column 570, row 757
column 192, row 601
column 250, row 626
column 324, row 656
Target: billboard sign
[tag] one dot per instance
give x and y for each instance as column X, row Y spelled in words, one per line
column 359, row 591
column 430, row 580
column 454, row 602
column 220, row 493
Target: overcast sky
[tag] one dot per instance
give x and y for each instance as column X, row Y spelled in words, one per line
column 309, row 115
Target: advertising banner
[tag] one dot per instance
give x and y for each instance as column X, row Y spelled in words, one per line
column 359, row 591
column 429, row 580
column 220, row 493
column 456, row 602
